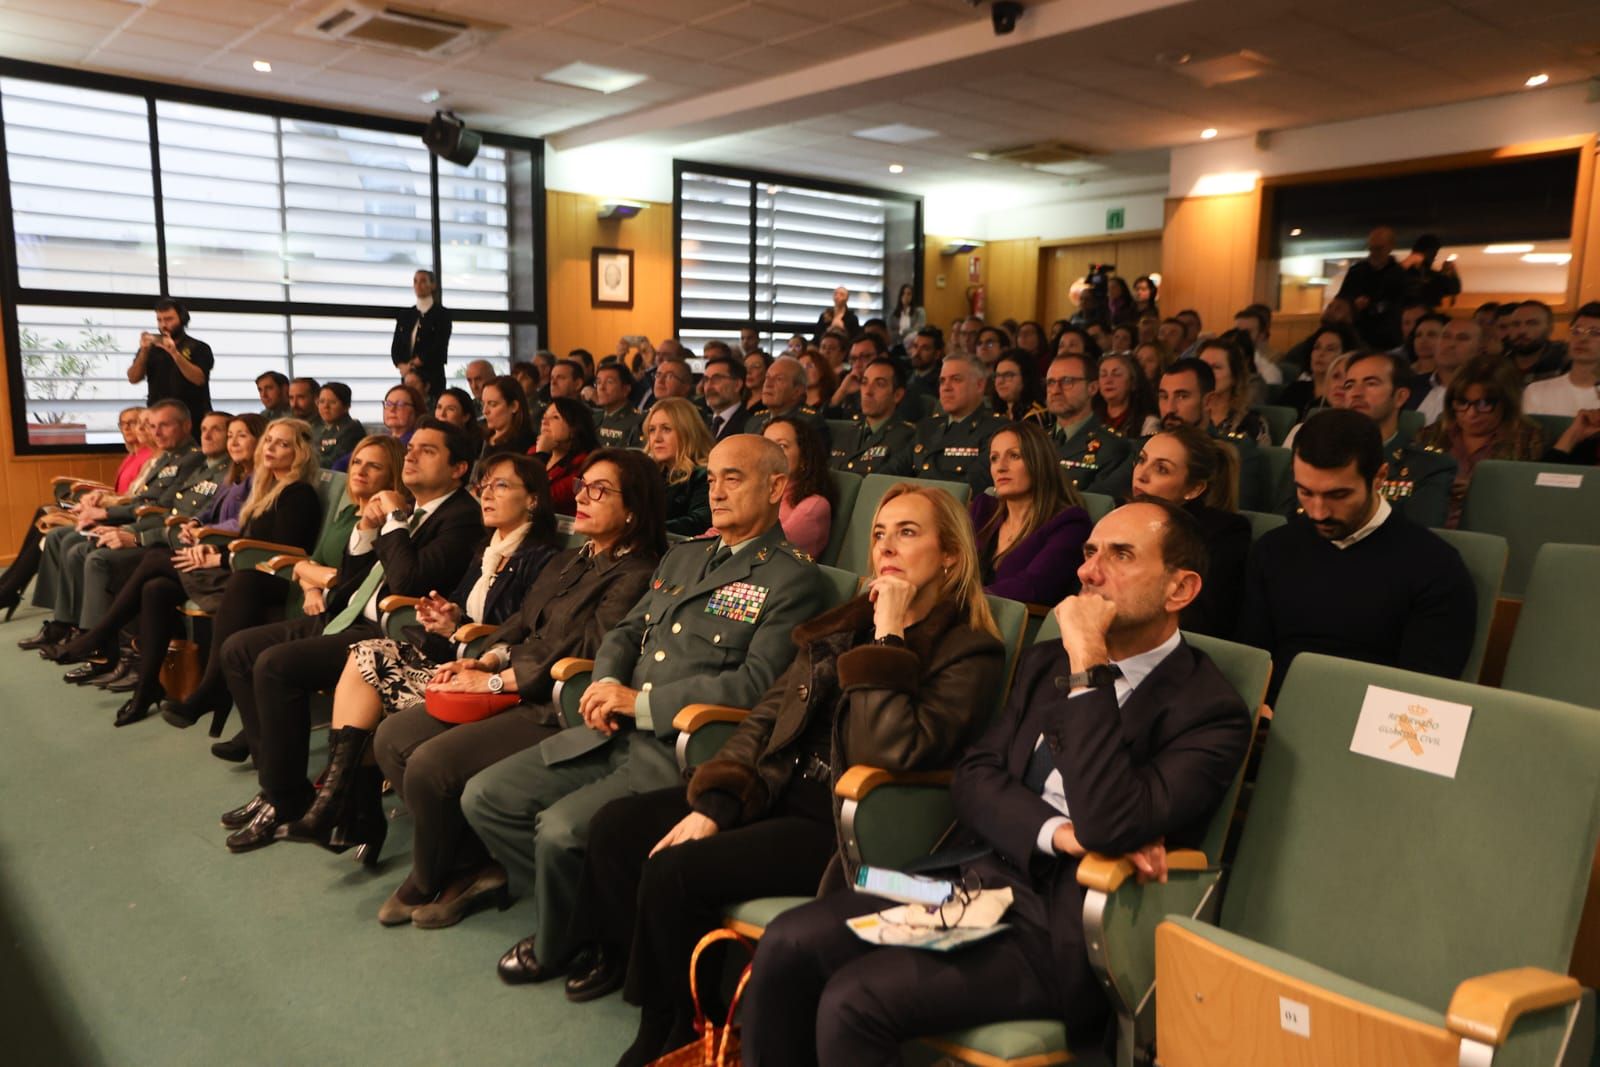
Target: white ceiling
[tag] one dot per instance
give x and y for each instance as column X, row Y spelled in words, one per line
column 781, row 84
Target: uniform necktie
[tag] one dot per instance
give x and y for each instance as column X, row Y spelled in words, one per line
column 369, row 585
column 718, row 558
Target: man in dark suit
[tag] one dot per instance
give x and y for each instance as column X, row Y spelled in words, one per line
column 726, row 413
column 422, row 334
column 1120, row 739
column 394, row 549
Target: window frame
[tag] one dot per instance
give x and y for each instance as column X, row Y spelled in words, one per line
column 757, row 177
column 13, row 294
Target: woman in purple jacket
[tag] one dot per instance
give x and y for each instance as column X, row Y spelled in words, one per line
column 1031, row 531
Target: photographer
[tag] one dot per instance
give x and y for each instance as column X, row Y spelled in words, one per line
column 174, row 365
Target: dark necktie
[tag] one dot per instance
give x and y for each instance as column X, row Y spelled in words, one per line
column 1039, row 766
column 717, row 423
column 718, row 558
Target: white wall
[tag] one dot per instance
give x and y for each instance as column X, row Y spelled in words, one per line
column 626, row 172
column 1531, row 115
column 1077, row 218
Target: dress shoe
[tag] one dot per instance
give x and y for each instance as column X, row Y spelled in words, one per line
column 463, row 896
column 50, row 633
column 125, row 667
column 88, row 672
column 595, row 973
column 126, row 684
column 235, row 749
column 519, row 965
column 240, row 817
column 259, row 832
column 132, row 711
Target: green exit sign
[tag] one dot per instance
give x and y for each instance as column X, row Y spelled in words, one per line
column 1115, row 219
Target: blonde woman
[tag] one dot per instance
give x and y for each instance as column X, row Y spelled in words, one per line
column 675, row 436
column 899, row 678
column 1228, row 406
column 282, row 507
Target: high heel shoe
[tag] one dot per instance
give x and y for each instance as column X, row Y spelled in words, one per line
column 364, row 827
column 177, row 713
column 11, row 601
column 346, row 746
column 235, row 749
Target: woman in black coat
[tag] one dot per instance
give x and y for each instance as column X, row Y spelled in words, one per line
column 1188, row 467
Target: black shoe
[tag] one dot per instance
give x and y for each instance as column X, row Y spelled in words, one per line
column 519, row 965
column 240, row 817
column 259, row 832
column 10, row 601
column 595, row 973
column 125, row 667
column 131, row 712
column 178, row 713
column 336, row 790
column 50, row 633
column 126, row 684
column 88, row 672
column 235, row 749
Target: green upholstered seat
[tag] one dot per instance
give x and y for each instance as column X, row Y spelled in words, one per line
column 1554, row 426
column 754, row 915
column 1262, row 521
column 1035, row 1042
column 1411, row 422
column 1485, row 557
column 1552, row 652
column 847, row 486
column 1098, row 505
column 1277, row 488
column 1531, row 504
column 855, row 552
column 1279, row 419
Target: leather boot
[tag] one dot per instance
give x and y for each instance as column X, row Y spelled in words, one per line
column 346, row 746
column 363, row 825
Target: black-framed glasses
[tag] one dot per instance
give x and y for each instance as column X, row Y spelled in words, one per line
column 961, row 894
column 1063, row 383
column 497, row 486
column 593, row 490
column 396, row 405
column 1483, row 405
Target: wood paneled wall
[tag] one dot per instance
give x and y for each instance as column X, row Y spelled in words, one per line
column 1208, row 256
column 1012, row 288
column 945, row 304
column 1062, row 264
column 572, row 231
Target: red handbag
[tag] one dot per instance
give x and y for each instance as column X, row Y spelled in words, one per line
column 461, row 708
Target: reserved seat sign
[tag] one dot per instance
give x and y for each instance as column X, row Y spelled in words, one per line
column 1419, row 732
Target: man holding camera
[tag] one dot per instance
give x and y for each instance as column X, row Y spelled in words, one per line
column 173, row 365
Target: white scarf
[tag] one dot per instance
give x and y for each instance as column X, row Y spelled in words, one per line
column 500, row 547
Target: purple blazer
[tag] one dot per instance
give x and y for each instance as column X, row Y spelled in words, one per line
column 1043, row 567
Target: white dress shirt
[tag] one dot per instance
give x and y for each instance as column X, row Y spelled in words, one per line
column 363, row 542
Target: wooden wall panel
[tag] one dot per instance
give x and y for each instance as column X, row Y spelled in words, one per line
column 1208, row 256
column 1061, row 265
column 572, row 231
column 1012, row 291
column 943, row 305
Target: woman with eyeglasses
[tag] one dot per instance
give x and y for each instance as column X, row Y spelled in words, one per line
column 566, row 437
column 896, row 678
column 675, row 436
column 403, row 407
column 1483, row 420
column 1018, row 390
column 383, row 675
column 506, row 417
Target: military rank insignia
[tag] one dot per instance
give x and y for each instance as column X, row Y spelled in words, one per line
column 739, row 601
column 1398, row 490
column 961, row 453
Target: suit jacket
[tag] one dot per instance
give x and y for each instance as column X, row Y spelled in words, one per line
column 735, row 424
column 434, row 557
column 506, row 590
column 1156, row 767
column 433, row 340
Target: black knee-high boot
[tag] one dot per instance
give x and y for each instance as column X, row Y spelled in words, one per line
column 346, row 747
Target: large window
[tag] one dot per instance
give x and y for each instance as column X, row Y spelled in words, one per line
column 290, row 233
column 770, row 249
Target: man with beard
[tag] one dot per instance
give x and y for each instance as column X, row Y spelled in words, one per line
column 1528, row 343
column 1419, row 476
column 1351, row 576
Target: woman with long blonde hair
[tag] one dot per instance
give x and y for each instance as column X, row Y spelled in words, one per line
column 676, row 437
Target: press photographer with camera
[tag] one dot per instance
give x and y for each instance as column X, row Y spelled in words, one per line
column 174, row 365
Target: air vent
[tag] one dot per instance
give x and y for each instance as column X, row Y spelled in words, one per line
column 398, row 29
column 1038, row 154
column 1220, row 70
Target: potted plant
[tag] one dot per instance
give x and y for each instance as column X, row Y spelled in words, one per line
column 57, row 373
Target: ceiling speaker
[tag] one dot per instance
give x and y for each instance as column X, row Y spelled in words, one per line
column 448, row 138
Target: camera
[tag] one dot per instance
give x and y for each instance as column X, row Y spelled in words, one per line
column 1099, row 274
column 1004, row 15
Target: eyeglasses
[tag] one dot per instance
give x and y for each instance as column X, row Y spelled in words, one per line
column 1063, row 383
column 1006, row 375
column 1584, row 331
column 396, row 405
column 1485, row 405
column 499, row 485
column 593, row 490
column 988, row 342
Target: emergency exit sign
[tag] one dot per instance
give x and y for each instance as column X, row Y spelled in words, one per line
column 1115, row 218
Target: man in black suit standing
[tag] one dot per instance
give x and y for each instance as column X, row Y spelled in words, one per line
column 422, row 334
column 396, row 548
column 1119, row 739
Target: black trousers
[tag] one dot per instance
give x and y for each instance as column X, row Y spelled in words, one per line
column 152, row 594
column 26, row 565
column 657, row 908
column 429, row 762
column 249, row 599
column 819, row 994
column 272, row 671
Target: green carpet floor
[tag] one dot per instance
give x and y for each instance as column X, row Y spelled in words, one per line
column 129, row 934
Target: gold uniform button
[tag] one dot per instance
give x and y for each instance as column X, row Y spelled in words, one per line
column 661, row 654
column 716, row 639
column 677, row 627
column 646, row 686
column 647, row 616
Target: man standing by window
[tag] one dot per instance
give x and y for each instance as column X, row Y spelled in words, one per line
column 422, row 334
column 174, row 365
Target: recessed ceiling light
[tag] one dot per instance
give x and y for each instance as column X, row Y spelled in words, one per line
column 895, row 133
column 1295, row 232
column 895, row 168
column 1536, row 81
column 1506, row 250
column 1560, row 259
column 262, row 66
column 1208, row 133
column 431, row 96
column 589, row 76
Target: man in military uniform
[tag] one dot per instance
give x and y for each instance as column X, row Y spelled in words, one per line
column 616, row 423
column 1090, row 454
column 1419, row 478
column 713, row 627
column 337, row 433
column 61, row 568
column 784, row 393
column 954, row 446
column 273, row 389
column 881, row 441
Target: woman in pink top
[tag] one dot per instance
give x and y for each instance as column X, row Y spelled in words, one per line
column 806, row 512
column 140, row 443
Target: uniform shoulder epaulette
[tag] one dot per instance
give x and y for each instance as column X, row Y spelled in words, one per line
column 701, row 539
column 1435, row 449
column 808, row 409
column 799, row 553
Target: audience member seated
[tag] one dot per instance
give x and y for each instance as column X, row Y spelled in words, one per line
column 335, row 432
column 1336, row 377
column 1118, row 739
column 806, row 513
column 926, row 353
column 1483, row 420
column 1090, row 455
column 755, row 379
column 1351, row 576
column 723, row 385
column 714, row 626
column 251, row 598
column 1419, row 477
column 1252, row 329
column 1186, row 466
column 1032, row 341
column 1018, row 388
column 953, row 445
column 897, row 678
column 1460, row 342
column 616, row 423
column 414, row 381
column 1153, row 358
column 821, row 384
column 140, row 443
column 531, row 376
column 566, row 437
column 1578, row 442
column 906, row 318
column 382, row 675
column 1145, row 294
column 1336, row 312
column 1228, row 404
column 673, row 377
column 507, row 417
column 1422, row 342
column 783, row 392
column 992, row 341
column 282, row 507
column 1579, row 388
column 272, row 388
column 1527, row 341
column 881, row 442
column 272, row 670
column 1126, row 401
column 677, row 439
column 1310, row 391
column 566, row 379
column 403, row 408
column 1030, row 532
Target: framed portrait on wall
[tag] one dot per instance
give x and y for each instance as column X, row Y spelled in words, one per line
column 611, row 278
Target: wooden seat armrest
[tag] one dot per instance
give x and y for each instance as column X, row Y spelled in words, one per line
column 472, row 631
column 326, row 583
column 395, row 602
column 1107, row 873
column 693, row 716
column 570, row 667
column 858, row 781
column 250, row 544
column 174, row 520
column 1039, row 611
column 212, row 532
column 149, row 509
column 76, row 483
column 1486, row 1008
column 279, row 563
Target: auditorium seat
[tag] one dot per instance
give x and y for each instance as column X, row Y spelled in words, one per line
column 1276, row 489
column 1262, row 522
column 1552, row 651
column 1279, row 419
column 1485, row 557
column 1098, row 505
column 1531, row 504
column 847, row 487
column 1380, row 913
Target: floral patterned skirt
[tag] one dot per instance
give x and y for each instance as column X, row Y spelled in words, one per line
column 398, row 671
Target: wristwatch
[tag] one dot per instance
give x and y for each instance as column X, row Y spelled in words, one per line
column 496, row 683
column 891, row 641
column 1093, row 678
column 398, row 516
